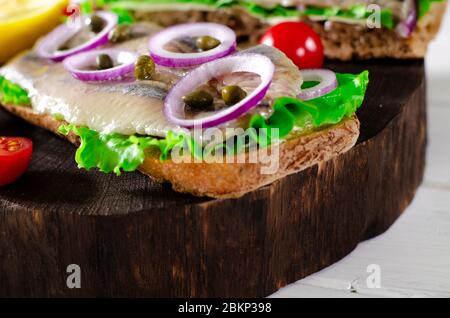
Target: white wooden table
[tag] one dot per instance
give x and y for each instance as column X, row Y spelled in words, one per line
column 414, row 254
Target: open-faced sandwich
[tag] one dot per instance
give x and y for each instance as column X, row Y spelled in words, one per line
column 349, row 28
column 181, row 104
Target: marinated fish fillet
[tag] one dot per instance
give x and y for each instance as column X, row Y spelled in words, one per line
column 128, row 106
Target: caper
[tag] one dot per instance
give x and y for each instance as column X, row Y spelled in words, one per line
column 104, row 62
column 199, row 100
column 205, row 43
column 144, row 68
column 64, row 47
column 232, row 94
column 120, row 34
column 96, row 23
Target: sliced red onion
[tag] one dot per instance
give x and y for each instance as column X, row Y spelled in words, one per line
column 254, row 63
column 49, row 46
column 163, row 57
column 77, row 65
column 327, row 83
column 407, row 26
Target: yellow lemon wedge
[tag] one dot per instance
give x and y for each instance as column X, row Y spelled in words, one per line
column 22, row 22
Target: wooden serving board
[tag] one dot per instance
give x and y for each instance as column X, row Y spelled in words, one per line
column 132, row 237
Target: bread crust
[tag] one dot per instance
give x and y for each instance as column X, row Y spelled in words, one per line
column 230, row 180
column 346, row 42
column 342, row 41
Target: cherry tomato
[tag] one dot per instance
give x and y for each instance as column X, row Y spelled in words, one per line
column 15, row 156
column 298, row 41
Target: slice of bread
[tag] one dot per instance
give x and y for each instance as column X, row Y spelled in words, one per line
column 342, row 41
column 226, row 180
column 346, row 42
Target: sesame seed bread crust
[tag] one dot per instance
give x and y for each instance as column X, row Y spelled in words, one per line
column 229, row 180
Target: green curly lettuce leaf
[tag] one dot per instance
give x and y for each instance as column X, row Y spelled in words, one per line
column 116, row 153
column 357, row 12
column 125, row 16
column 275, row 11
column 425, row 6
column 13, row 94
column 290, row 113
column 87, row 6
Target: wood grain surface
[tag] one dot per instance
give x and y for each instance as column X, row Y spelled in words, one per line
column 414, row 254
column 132, row 237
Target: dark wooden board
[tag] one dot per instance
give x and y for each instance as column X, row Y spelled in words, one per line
column 132, row 237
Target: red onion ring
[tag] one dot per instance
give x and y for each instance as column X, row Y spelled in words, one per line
column 407, row 26
column 254, row 63
column 78, row 63
column 48, row 47
column 327, row 83
column 163, row 57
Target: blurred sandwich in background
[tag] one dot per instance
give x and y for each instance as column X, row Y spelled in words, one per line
column 349, row 29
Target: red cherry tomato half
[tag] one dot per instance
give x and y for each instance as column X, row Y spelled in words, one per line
column 15, row 156
column 298, row 41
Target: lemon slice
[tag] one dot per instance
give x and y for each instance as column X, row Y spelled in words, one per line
column 22, row 22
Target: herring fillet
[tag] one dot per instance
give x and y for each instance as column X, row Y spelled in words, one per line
column 122, row 107
column 125, row 107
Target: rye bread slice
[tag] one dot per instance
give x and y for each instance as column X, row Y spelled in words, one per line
column 230, row 180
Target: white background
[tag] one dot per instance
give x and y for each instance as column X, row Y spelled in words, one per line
column 414, row 254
